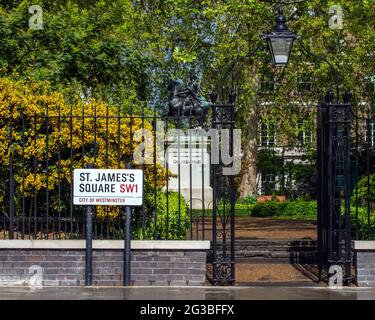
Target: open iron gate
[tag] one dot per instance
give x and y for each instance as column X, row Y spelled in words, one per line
column 333, row 166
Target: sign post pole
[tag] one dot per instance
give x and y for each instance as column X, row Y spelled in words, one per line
column 88, row 266
column 127, row 242
column 127, row 248
column 88, row 261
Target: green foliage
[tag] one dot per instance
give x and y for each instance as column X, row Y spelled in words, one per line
column 366, row 222
column 170, row 224
column 244, row 206
column 296, row 179
column 268, row 209
column 366, row 190
column 267, row 160
column 85, row 47
column 366, row 226
column 249, row 201
column 293, row 209
column 126, row 51
column 118, row 46
column 131, row 48
column 303, row 209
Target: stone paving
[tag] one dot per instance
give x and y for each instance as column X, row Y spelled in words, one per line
column 262, row 228
column 193, row 293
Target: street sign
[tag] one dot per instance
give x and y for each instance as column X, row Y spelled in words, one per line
column 108, row 187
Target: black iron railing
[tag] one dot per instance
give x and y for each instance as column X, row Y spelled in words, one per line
column 43, row 149
column 186, row 196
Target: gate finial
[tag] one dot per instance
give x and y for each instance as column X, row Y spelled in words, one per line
column 329, row 97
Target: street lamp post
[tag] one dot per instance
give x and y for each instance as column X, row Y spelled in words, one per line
column 333, row 161
column 333, row 158
column 280, row 42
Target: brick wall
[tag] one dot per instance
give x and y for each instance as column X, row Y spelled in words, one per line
column 365, row 268
column 66, row 267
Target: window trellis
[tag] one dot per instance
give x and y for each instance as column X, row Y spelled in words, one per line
column 370, row 132
column 268, row 183
column 267, row 84
column 304, row 85
column 305, row 133
column 267, row 136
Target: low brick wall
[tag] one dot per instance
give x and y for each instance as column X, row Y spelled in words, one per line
column 158, row 263
column 365, row 263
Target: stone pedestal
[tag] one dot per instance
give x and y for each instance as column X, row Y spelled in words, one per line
column 192, row 167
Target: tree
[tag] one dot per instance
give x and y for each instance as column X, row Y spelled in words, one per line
column 85, row 47
column 346, row 49
column 128, row 50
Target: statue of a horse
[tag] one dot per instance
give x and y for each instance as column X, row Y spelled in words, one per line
column 185, row 100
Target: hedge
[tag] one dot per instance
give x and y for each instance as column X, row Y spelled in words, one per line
column 291, row 208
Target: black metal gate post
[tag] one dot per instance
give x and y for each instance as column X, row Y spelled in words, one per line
column 11, row 176
column 321, row 190
column 88, row 266
column 127, row 247
column 127, row 243
column 223, row 218
column 88, row 261
column 333, row 163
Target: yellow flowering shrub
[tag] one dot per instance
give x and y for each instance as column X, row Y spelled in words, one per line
column 48, row 138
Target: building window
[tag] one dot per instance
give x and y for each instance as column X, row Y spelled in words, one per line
column 267, row 135
column 304, row 134
column 370, row 85
column 268, row 183
column 267, row 85
column 304, row 85
column 370, row 132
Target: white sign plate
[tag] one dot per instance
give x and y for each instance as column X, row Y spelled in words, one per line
column 108, row 187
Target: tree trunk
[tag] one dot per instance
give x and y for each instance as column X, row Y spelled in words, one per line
column 248, row 175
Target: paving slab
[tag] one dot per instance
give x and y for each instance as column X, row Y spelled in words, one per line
column 184, row 293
